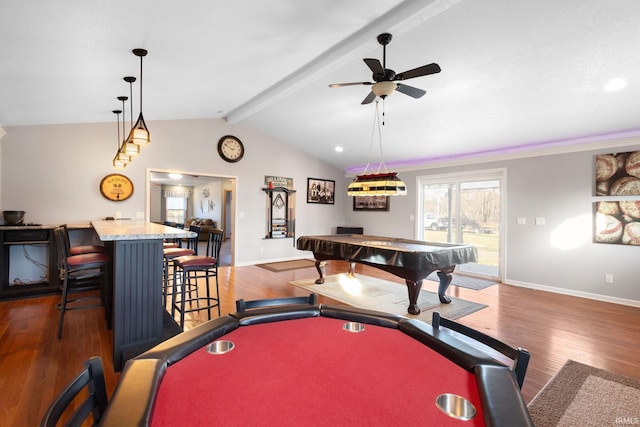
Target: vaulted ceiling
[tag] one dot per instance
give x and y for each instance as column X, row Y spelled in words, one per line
column 515, row 74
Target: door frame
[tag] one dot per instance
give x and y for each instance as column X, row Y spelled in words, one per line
column 499, row 174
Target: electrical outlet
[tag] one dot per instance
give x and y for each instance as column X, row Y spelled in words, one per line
column 608, row 278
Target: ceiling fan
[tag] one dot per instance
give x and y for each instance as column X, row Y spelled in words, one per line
column 385, row 79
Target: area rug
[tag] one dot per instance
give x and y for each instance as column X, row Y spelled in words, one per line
column 288, row 265
column 581, row 395
column 463, row 281
column 389, row 297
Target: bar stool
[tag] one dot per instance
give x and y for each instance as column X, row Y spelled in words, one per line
column 170, row 253
column 81, row 273
column 194, row 267
column 79, row 249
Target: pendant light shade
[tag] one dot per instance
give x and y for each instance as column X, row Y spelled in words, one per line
column 379, row 184
column 120, row 160
column 128, row 148
column 383, row 183
column 139, row 133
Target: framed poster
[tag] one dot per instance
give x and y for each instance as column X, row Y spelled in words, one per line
column 617, row 174
column 371, row 203
column 320, row 191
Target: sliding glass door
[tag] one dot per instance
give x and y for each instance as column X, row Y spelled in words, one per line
column 464, row 208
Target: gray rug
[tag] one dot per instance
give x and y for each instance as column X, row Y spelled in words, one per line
column 463, row 281
column 581, row 395
column 389, row 297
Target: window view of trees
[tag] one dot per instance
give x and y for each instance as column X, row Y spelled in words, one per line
column 464, row 212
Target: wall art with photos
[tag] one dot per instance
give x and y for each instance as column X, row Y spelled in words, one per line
column 616, row 220
column 320, row 191
column 371, row 203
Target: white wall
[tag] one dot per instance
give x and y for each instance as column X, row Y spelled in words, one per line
column 53, row 173
column 208, row 205
column 558, row 188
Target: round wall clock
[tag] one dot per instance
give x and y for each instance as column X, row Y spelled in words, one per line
column 230, row 148
column 116, row 187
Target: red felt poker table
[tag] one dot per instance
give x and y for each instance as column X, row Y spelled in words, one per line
column 315, row 365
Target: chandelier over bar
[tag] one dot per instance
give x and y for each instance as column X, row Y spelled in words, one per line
column 380, row 183
column 120, row 160
column 128, row 148
column 139, row 133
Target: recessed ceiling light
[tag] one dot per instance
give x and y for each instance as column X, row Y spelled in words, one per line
column 339, row 149
column 615, row 85
column 175, row 176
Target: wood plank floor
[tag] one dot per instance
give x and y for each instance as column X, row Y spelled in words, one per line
column 35, row 365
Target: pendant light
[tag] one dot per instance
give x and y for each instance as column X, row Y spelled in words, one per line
column 139, row 133
column 120, row 161
column 380, row 183
column 127, row 148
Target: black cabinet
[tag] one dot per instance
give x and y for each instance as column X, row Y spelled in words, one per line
column 18, row 243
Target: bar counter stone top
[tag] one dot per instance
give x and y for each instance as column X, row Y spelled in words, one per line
column 137, row 230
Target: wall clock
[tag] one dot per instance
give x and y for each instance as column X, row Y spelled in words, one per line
column 116, row 187
column 230, row 148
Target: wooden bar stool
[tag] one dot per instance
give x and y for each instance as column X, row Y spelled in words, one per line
column 194, row 267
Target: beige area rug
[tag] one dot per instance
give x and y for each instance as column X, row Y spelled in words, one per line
column 288, row 265
column 389, row 297
column 580, row 395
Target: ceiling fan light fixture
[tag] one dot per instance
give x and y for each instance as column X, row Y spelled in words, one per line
column 384, row 89
column 379, row 184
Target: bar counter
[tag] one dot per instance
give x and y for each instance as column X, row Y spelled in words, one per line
column 136, row 296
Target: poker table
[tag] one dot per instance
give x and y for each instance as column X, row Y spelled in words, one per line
column 316, row 365
column 412, row 260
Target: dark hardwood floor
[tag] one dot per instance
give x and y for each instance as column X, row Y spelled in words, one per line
column 35, row 365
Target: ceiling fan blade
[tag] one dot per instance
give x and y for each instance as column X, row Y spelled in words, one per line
column 374, row 65
column 369, row 99
column 425, row 70
column 413, row 92
column 350, row 84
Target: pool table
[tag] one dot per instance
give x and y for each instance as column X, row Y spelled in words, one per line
column 317, row 365
column 413, row 260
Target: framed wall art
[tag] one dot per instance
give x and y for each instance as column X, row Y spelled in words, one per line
column 371, row 203
column 320, row 191
column 617, row 174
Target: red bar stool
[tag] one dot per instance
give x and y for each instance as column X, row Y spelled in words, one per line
column 171, row 253
column 194, row 267
column 79, row 249
column 82, row 273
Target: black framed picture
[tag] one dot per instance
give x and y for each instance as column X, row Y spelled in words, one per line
column 371, row 203
column 320, row 191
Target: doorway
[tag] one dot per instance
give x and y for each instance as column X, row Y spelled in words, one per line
column 208, row 196
column 465, row 208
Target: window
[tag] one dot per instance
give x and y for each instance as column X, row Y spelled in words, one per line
column 464, row 208
column 176, row 209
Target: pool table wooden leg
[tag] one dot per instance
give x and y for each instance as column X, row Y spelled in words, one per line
column 320, row 267
column 445, row 281
column 414, row 290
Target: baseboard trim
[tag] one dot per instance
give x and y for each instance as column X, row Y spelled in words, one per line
column 574, row 293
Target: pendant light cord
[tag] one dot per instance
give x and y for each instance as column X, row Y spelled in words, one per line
column 376, row 126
